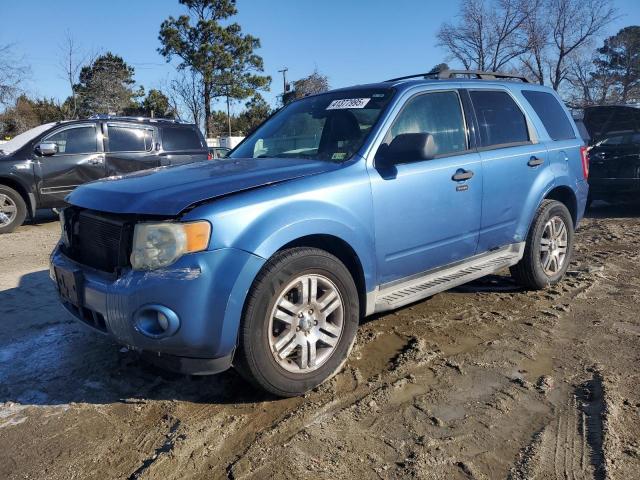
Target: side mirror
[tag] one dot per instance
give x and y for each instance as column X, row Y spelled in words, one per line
column 408, row 147
column 47, row 149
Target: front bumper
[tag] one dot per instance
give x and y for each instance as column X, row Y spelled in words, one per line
column 206, row 290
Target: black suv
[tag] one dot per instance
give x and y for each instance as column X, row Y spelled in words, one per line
column 39, row 167
column 613, row 135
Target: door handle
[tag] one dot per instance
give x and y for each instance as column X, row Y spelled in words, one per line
column 535, row 161
column 462, row 175
column 98, row 160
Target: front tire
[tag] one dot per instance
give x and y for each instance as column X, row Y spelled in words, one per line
column 299, row 322
column 13, row 209
column 549, row 247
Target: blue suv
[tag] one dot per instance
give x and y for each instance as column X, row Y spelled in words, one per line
column 341, row 205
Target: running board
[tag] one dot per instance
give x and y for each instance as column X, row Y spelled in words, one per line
column 405, row 291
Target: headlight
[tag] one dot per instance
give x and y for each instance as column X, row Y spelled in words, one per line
column 156, row 245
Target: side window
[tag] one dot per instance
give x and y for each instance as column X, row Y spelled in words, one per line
column 129, row 139
column 551, row 113
column 174, row 139
column 81, row 139
column 439, row 114
column 501, row 120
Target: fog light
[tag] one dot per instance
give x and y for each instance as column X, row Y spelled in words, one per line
column 156, row 321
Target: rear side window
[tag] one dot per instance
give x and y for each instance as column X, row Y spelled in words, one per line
column 437, row 113
column 501, row 120
column 551, row 113
column 130, row 139
column 174, row 139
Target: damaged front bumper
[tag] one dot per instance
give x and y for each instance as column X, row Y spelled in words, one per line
column 205, row 291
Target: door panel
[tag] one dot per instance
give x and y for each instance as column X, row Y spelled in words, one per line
column 508, row 179
column 424, row 218
column 79, row 160
column 511, row 163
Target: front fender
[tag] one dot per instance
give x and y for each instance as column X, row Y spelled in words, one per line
column 262, row 221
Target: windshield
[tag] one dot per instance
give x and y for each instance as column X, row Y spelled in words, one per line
column 19, row 140
column 331, row 127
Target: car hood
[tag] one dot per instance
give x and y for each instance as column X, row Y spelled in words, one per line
column 170, row 190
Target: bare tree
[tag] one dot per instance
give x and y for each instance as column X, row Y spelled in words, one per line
column 487, row 34
column 13, row 71
column 559, row 30
column 185, row 93
column 71, row 61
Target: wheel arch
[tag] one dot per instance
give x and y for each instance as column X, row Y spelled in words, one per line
column 566, row 196
column 342, row 250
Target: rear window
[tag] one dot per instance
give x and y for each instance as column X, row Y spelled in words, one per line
column 129, row 139
column 551, row 113
column 501, row 121
column 174, row 139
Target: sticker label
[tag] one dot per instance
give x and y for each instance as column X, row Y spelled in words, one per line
column 338, row 156
column 348, row 103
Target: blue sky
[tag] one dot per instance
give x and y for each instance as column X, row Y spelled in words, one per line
column 351, row 41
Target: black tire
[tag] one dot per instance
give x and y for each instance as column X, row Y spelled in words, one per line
column 254, row 359
column 20, row 209
column 529, row 272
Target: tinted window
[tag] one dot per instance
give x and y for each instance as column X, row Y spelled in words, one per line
column 174, row 139
column 80, row 139
column 440, row 115
column 129, row 139
column 551, row 113
column 501, row 120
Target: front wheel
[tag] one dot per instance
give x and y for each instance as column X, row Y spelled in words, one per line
column 548, row 249
column 299, row 322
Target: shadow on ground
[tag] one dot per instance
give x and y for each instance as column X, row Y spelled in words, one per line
column 47, row 358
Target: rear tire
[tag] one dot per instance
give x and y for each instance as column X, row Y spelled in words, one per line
column 291, row 341
column 549, row 247
column 13, row 209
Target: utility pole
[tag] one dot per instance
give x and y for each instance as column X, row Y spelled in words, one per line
column 284, row 81
column 228, row 114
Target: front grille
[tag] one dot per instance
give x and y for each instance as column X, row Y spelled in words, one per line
column 100, row 241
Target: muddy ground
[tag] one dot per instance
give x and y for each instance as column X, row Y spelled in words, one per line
column 485, row 382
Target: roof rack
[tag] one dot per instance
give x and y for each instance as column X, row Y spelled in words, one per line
column 103, row 116
column 448, row 74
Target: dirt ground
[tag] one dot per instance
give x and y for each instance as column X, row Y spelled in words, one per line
column 484, row 382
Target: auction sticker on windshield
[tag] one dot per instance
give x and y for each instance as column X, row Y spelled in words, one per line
column 348, row 103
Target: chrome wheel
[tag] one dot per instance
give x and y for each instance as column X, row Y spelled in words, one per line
column 8, row 210
column 306, row 323
column 553, row 246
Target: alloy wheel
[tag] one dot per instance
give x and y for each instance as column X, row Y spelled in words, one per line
column 306, row 323
column 8, row 210
column 553, row 246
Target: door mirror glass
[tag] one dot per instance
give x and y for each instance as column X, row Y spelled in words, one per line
column 48, row 148
column 410, row 147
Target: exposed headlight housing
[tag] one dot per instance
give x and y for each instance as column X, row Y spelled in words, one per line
column 157, row 245
column 64, row 234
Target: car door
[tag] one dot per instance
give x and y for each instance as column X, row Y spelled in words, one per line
column 424, row 218
column 80, row 159
column 130, row 147
column 511, row 163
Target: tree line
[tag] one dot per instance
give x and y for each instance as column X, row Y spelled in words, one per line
column 553, row 42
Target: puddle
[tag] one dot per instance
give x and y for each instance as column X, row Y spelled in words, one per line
column 375, row 356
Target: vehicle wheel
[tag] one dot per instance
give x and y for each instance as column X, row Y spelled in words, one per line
column 13, row 210
column 548, row 249
column 299, row 322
